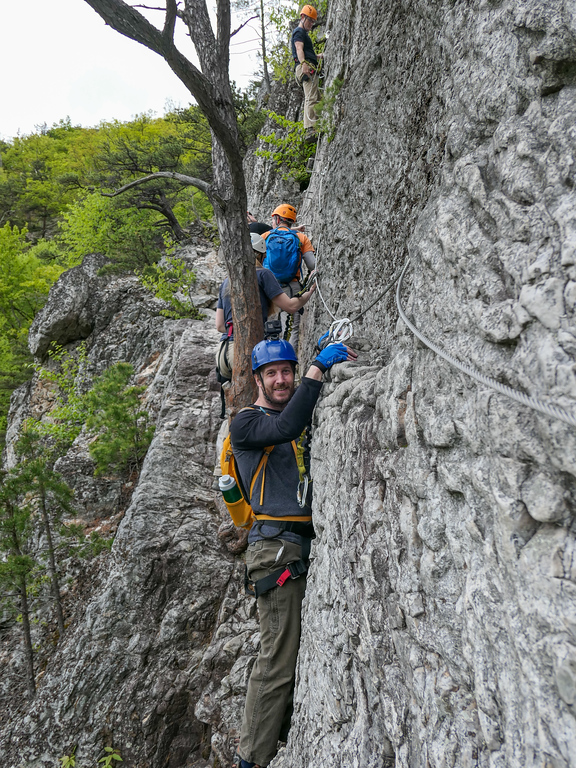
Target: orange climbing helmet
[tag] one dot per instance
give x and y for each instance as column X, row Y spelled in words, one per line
column 286, row 211
column 308, row 10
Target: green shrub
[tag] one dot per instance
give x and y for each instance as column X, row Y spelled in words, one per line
column 288, row 149
column 169, row 280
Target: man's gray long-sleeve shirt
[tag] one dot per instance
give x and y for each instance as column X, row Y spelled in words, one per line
column 255, row 428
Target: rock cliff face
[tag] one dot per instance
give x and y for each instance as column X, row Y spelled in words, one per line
column 441, row 604
column 440, row 617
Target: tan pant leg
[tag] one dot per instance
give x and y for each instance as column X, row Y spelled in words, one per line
column 225, row 370
column 269, row 699
column 311, row 96
column 291, row 290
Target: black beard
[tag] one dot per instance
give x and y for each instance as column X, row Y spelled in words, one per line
column 269, row 399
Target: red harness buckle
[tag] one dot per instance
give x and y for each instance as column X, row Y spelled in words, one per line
column 283, row 577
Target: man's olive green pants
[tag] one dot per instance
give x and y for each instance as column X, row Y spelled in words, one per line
column 271, row 687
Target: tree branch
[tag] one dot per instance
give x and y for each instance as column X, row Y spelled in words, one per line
column 189, row 181
column 243, row 25
column 223, row 29
column 129, row 22
column 169, row 22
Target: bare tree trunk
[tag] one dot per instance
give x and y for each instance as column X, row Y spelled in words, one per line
column 210, row 87
column 28, row 650
column 52, row 563
column 263, row 35
column 21, row 586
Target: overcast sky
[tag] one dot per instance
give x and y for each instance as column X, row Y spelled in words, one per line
column 58, row 59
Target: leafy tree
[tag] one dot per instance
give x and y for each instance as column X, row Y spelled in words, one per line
column 170, row 281
column 25, row 281
column 97, row 224
column 16, row 565
column 53, row 497
column 41, row 175
column 116, row 415
column 110, row 408
column 209, row 84
column 177, row 143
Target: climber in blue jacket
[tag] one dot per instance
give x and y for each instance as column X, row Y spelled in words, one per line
column 279, row 542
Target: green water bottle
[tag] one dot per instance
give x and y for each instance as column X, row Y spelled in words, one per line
column 229, row 489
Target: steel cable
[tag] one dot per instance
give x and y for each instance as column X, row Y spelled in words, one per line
column 549, row 409
column 532, row 402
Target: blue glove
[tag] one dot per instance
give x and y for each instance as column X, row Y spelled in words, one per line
column 322, row 341
column 334, row 353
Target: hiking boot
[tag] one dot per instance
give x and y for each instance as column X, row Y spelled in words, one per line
column 311, row 136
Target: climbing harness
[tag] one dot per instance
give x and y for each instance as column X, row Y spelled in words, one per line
column 292, row 570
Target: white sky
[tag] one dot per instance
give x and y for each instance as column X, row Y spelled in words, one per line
column 59, row 59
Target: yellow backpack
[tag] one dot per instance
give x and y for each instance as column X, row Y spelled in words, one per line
column 241, row 511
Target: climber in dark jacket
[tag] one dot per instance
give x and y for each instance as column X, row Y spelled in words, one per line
column 272, row 299
column 279, row 541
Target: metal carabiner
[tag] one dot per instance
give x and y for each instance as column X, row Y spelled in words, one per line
column 302, row 492
column 340, row 331
column 310, row 280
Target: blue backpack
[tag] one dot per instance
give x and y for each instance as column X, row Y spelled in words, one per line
column 283, row 255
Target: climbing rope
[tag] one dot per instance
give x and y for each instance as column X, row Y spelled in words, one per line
column 532, row 402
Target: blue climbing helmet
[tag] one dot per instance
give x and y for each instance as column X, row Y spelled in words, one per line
column 272, row 351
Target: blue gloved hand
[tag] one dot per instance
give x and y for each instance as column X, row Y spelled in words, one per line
column 322, row 340
column 334, row 353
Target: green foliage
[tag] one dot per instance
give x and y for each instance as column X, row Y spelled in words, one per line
column 115, row 414
column 326, row 122
column 289, row 151
column 179, row 143
column 84, row 546
column 68, row 761
column 32, row 194
column 109, row 759
column 67, row 374
column 129, row 237
column 25, row 281
column 111, row 409
column 169, row 281
column 55, row 176
column 112, row 754
column 250, row 118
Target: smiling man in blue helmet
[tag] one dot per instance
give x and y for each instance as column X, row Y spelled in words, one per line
column 275, row 427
